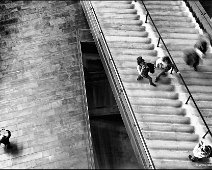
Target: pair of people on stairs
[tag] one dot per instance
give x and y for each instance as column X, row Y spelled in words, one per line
column 144, row 68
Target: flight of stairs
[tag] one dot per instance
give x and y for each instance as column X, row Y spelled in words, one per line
column 200, row 82
column 167, row 130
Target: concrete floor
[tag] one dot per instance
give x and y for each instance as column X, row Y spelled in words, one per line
column 41, row 95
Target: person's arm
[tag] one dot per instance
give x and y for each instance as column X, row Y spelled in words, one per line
column 9, row 133
column 139, row 69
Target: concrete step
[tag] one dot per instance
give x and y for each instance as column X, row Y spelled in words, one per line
column 202, row 97
column 115, row 5
column 200, row 68
column 171, row 145
column 166, row 13
column 208, row 120
column 179, row 36
column 176, row 47
column 133, row 58
column 176, row 136
column 122, row 21
column 148, row 3
column 163, row 118
column 204, row 105
column 170, row 154
column 176, row 30
column 198, row 89
column 195, row 81
column 207, row 113
column 108, row 26
column 132, row 85
column 162, row 7
column 116, row 10
column 163, row 80
column 160, row 110
column 126, row 33
column 196, row 74
column 150, row 94
column 170, row 18
column 112, row 2
column 169, row 164
column 128, row 64
column 155, row 102
column 103, row 16
column 173, row 24
column 166, row 127
column 131, row 45
column 124, row 51
column 132, row 70
column 126, row 39
column 178, row 41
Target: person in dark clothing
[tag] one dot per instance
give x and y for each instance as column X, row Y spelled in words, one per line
column 192, row 58
column 143, row 69
column 203, row 42
column 166, row 66
column 4, row 137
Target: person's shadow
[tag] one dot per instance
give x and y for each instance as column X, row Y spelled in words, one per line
column 13, row 149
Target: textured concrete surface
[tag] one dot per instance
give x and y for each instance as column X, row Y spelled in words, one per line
column 41, row 96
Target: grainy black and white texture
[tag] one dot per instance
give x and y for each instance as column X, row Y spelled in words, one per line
column 40, row 86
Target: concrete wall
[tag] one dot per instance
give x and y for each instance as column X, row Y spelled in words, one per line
column 41, row 95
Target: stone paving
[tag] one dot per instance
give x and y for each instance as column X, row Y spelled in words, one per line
column 41, row 95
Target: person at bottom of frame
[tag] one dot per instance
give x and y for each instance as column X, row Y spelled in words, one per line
column 4, row 137
column 201, row 151
column 143, row 69
column 165, row 65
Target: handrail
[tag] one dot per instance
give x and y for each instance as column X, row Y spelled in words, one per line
column 122, row 89
column 176, row 69
column 201, row 14
column 91, row 156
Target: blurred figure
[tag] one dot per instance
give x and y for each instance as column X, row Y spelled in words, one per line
column 192, row 58
column 143, row 69
column 203, row 43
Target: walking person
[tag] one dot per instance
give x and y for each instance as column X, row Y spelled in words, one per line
column 4, row 137
column 200, row 151
column 143, row 69
column 192, row 58
column 165, row 64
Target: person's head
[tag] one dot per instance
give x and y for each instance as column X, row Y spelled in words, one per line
column 140, row 60
column 166, row 59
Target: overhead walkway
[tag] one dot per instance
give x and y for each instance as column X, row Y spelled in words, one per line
column 162, row 128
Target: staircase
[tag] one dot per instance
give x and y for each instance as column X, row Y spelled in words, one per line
column 160, row 112
column 200, row 82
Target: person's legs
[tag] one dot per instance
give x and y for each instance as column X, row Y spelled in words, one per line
column 160, row 74
column 193, row 158
column 7, row 143
column 150, row 81
column 139, row 77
